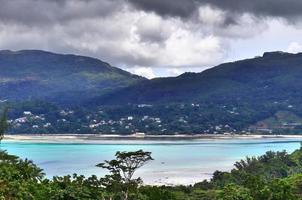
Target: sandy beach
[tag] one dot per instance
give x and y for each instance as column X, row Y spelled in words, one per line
column 86, row 138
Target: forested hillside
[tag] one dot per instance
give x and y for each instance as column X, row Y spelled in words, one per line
column 30, row 75
column 53, row 93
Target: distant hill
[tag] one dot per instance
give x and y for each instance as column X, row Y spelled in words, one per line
column 275, row 75
column 64, row 79
column 54, row 93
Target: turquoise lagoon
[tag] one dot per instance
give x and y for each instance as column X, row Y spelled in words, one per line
column 175, row 162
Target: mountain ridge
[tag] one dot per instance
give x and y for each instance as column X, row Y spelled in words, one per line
column 35, row 74
column 56, row 93
column 235, row 74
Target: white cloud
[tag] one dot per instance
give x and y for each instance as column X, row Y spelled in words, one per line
column 185, row 48
column 143, row 71
column 211, row 16
column 294, row 47
column 152, row 28
column 127, row 38
column 174, row 72
column 141, row 41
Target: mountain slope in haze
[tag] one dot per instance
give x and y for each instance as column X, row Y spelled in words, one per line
column 275, row 75
column 64, row 79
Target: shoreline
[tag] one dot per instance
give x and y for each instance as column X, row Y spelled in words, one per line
column 98, row 138
column 162, row 171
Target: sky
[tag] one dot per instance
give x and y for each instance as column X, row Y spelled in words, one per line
column 154, row 38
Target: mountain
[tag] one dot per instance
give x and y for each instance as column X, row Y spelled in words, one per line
column 64, row 79
column 275, row 75
column 53, row 93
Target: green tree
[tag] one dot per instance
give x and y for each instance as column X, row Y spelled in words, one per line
column 3, row 123
column 20, row 179
column 280, row 190
column 120, row 182
column 156, row 193
column 234, row 192
column 76, row 187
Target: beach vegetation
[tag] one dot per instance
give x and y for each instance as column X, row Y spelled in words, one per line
column 272, row 176
column 120, row 180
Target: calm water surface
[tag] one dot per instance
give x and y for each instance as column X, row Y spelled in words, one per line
column 176, row 162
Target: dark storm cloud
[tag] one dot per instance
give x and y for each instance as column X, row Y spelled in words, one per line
column 140, row 33
column 288, row 9
column 43, row 12
column 181, row 8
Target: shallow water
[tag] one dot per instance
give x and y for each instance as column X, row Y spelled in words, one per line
column 175, row 162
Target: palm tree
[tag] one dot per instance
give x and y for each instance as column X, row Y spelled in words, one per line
column 29, row 171
column 246, row 165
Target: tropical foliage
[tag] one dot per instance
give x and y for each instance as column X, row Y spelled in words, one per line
column 272, row 176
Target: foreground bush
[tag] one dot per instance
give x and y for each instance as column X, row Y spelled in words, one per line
column 273, row 176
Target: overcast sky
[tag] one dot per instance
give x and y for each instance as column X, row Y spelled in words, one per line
column 154, row 37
